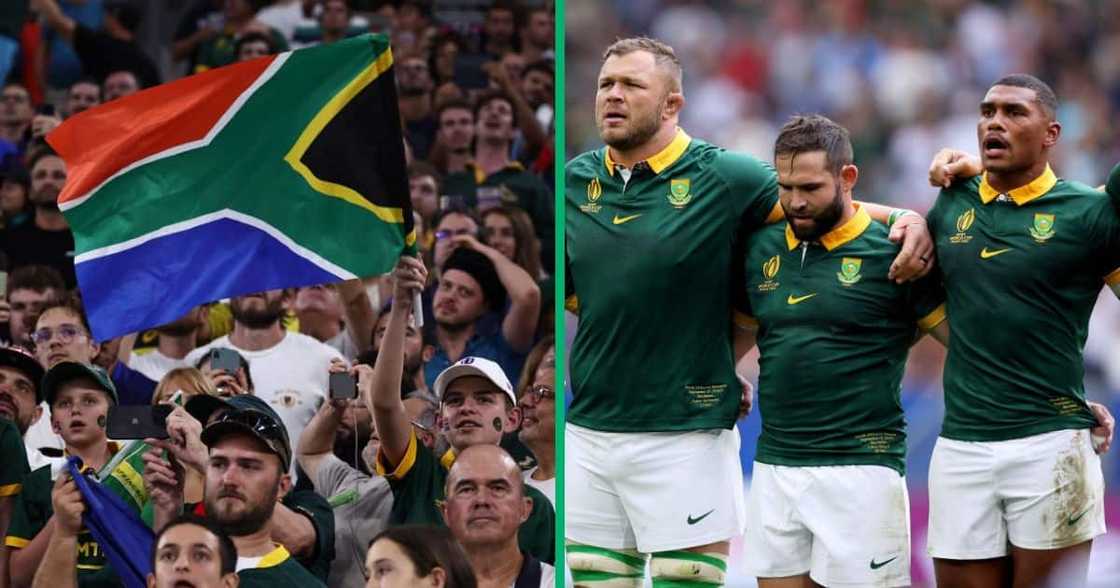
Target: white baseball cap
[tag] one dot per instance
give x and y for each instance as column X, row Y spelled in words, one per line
column 474, row 366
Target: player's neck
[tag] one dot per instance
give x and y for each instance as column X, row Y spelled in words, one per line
column 491, row 157
column 257, row 544
column 1005, row 182
column 655, row 145
column 546, row 460
column 319, row 325
column 250, row 339
column 95, row 455
column 495, row 566
column 50, row 219
column 453, row 339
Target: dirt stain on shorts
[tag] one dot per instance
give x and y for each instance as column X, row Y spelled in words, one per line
column 1072, row 499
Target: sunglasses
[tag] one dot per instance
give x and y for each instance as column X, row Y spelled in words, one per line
column 257, row 422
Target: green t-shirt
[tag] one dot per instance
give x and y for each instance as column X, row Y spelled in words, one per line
column 833, row 336
column 33, row 509
column 1022, row 272
column 219, row 51
column 418, row 491
column 278, row 569
column 649, row 266
column 13, row 460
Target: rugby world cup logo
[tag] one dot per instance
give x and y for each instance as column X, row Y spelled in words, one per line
column 770, row 269
column 964, row 222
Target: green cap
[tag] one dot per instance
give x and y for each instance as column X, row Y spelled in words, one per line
column 65, row 371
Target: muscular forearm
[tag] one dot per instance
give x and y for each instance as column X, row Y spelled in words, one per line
column 59, row 567
column 318, row 437
column 294, row 531
column 389, row 415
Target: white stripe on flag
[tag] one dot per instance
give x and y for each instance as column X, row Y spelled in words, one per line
column 225, row 213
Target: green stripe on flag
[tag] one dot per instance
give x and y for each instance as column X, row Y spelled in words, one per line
column 661, row 583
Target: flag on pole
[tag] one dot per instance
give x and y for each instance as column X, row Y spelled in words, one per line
column 279, row 172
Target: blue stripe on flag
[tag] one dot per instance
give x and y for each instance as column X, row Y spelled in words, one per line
column 159, row 281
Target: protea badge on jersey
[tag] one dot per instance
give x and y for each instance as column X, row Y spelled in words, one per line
column 283, row 171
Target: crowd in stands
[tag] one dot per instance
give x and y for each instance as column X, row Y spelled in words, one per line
column 437, row 462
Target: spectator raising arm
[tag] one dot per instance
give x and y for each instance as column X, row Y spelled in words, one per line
column 381, row 386
column 520, row 322
column 317, row 440
column 56, row 19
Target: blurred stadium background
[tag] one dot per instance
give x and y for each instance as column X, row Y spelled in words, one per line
column 905, row 78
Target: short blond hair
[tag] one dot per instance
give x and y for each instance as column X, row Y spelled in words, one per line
column 663, row 56
column 190, row 380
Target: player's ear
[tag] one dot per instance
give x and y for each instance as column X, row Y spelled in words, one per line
column 849, row 175
column 674, row 102
column 1053, row 131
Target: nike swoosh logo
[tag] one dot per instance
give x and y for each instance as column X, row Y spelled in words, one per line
column 799, row 299
column 618, row 220
column 1073, row 520
column 876, row 566
column 693, row 521
column 985, row 254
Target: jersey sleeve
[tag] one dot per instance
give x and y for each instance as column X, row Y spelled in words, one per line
column 1112, row 187
column 927, row 301
column 753, row 186
column 316, row 508
column 334, row 476
column 1104, row 231
column 741, row 312
column 27, row 518
column 13, row 460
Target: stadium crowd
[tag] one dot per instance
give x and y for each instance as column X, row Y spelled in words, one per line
column 433, row 461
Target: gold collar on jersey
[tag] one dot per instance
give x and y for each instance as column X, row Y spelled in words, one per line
column 1023, row 194
column 662, row 159
column 840, row 235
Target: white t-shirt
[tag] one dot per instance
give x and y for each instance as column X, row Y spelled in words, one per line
column 546, row 487
column 154, row 364
column 291, row 376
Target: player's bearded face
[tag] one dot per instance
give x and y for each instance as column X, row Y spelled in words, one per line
column 808, row 221
column 639, row 127
column 631, row 99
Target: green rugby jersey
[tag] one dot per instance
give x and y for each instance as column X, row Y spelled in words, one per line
column 277, row 569
column 833, row 336
column 418, row 485
column 1113, row 186
column 13, row 466
column 1022, row 272
column 650, row 262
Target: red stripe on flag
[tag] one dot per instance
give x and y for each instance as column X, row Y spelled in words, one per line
column 101, row 141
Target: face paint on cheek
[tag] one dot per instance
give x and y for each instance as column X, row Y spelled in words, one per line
column 101, row 420
column 498, row 424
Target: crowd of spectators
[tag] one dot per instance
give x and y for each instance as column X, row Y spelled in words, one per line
column 434, row 459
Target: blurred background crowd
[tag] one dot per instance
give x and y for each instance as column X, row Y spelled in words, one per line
column 906, row 78
column 475, row 85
